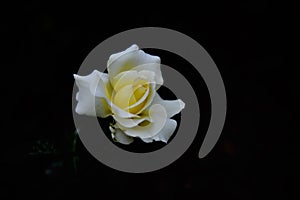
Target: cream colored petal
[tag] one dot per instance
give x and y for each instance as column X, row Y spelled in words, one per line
column 124, row 78
column 127, row 60
column 121, row 113
column 165, row 134
column 147, row 75
column 102, row 107
column 172, row 106
column 154, row 67
column 130, row 123
column 87, row 101
column 124, row 85
column 158, row 117
column 138, row 106
column 130, row 77
column 124, row 97
column 126, row 100
column 149, row 97
column 104, row 88
column 100, row 89
column 113, row 57
column 121, row 137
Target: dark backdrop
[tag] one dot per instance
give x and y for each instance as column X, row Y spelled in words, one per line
column 253, row 43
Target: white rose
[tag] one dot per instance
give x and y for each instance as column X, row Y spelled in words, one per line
column 128, row 93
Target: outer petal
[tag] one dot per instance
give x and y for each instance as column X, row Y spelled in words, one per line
column 104, row 88
column 158, row 117
column 165, row 134
column 86, row 97
column 120, row 136
column 96, row 86
column 128, row 59
column 172, row 106
column 115, row 56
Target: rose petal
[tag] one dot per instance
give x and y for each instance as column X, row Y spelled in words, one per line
column 147, row 75
column 124, row 78
column 148, row 96
column 130, row 77
column 122, row 113
column 172, row 106
column 158, row 117
column 154, row 67
column 122, row 83
column 104, row 88
column 128, row 59
column 129, row 123
column 120, row 137
column 115, row 56
column 165, row 134
column 86, row 96
column 124, row 97
column 138, row 106
column 99, row 88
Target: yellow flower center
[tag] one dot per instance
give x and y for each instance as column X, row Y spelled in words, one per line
column 126, row 96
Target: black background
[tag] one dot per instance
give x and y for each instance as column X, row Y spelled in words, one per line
column 253, row 43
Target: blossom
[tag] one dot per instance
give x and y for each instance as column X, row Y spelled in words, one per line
column 128, row 93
